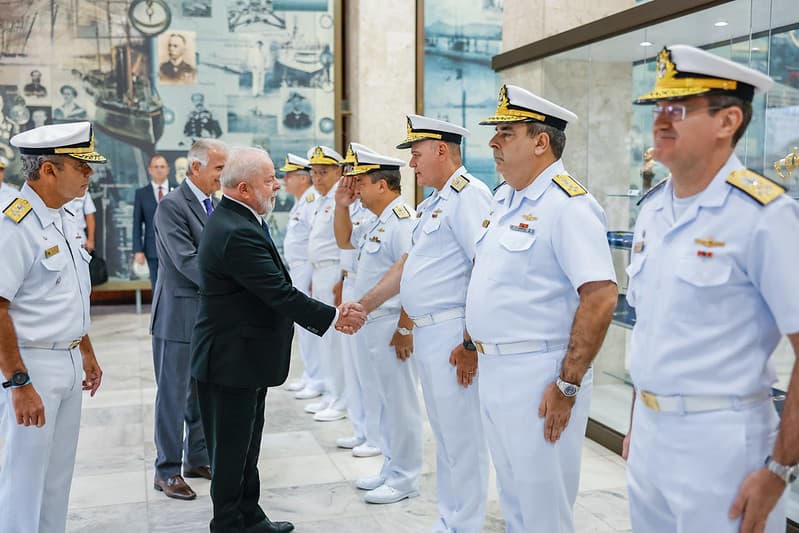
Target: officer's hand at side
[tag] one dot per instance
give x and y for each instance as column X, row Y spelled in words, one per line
column 345, row 194
column 28, row 406
column 94, row 374
column 466, row 363
column 89, row 245
column 556, row 409
column 139, row 257
column 757, row 497
column 403, row 345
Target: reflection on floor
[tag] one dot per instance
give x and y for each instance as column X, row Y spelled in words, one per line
column 304, row 477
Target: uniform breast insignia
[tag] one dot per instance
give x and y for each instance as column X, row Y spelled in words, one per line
column 762, row 189
column 436, row 213
column 374, row 238
column 17, row 210
column 50, row 252
column 707, row 243
column 569, row 185
column 310, row 198
column 523, row 227
column 654, row 188
column 381, row 230
column 529, row 218
column 401, row 211
column 459, row 183
column 486, row 222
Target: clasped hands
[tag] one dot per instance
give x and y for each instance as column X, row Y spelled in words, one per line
column 351, row 316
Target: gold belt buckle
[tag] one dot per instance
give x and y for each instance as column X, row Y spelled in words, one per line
column 74, row 344
column 650, row 400
column 479, row 346
column 344, row 274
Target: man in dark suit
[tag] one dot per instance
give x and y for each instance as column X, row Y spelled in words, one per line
column 242, row 340
column 145, row 201
column 179, row 222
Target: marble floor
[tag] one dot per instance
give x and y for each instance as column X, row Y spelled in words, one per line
column 304, row 477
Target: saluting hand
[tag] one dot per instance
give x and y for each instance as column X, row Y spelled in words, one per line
column 556, row 409
column 28, row 406
column 345, row 194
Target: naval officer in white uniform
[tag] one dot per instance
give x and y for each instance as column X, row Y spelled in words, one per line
column 361, row 384
column 387, row 336
column 297, row 180
column 713, row 282
column 46, row 357
column 539, row 303
column 432, row 279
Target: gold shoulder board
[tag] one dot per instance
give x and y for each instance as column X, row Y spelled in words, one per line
column 654, row 188
column 401, row 211
column 756, row 186
column 569, row 185
column 17, row 210
column 459, row 183
column 309, row 198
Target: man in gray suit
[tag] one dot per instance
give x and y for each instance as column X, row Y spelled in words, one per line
column 179, row 222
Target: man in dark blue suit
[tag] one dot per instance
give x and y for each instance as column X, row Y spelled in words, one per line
column 145, row 202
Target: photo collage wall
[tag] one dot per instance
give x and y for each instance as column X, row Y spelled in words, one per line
column 153, row 76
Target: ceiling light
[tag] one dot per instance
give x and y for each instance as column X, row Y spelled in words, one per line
column 645, row 43
column 721, row 24
column 755, row 49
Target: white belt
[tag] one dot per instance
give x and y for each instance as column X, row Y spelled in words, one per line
column 293, row 265
column 381, row 312
column 62, row 345
column 513, row 348
column 434, row 318
column 696, row 404
column 324, row 263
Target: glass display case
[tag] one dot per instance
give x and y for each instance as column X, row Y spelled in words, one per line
column 607, row 148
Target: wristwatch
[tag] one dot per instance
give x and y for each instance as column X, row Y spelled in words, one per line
column 786, row 473
column 18, row 379
column 569, row 390
column 469, row 345
column 404, row 331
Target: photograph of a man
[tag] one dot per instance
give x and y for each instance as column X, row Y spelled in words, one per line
column 177, row 55
column 35, row 87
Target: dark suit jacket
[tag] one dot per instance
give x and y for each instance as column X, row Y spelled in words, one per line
column 144, row 205
column 247, row 305
column 179, row 222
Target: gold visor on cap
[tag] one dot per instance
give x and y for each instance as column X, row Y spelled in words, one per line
column 505, row 114
column 668, row 85
column 319, row 158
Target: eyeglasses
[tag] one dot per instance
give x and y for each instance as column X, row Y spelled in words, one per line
column 677, row 112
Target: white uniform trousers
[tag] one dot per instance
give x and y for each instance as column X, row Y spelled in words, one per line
column 537, row 480
column 330, row 344
column 309, row 343
column 353, row 382
column 454, row 414
column 38, row 462
column 684, row 470
column 401, row 417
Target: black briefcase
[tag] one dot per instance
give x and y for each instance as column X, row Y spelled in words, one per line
column 98, row 271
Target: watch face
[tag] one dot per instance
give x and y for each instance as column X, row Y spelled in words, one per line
column 19, row 378
column 570, row 390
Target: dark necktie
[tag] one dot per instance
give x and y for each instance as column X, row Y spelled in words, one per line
column 160, row 192
column 209, row 208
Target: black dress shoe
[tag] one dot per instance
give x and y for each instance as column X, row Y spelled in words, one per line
column 267, row 526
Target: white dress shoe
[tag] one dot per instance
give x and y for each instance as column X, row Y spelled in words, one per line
column 315, row 407
column 366, row 450
column 295, row 386
column 386, row 494
column 329, row 415
column 349, row 442
column 307, row 393
column 370, row 483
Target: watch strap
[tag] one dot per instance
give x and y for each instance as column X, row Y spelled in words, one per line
column 469, row 345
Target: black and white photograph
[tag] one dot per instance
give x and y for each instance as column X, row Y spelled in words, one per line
column 176, row 54
column 247, row 114
column 297, row 112
column 196, row 8
column 39, row 116
column 36, row 83
column 70, row 107
column 255, row 16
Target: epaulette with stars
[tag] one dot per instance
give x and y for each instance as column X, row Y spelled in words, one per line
column 758, row 187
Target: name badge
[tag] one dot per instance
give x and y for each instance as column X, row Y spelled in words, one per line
column 50, row 252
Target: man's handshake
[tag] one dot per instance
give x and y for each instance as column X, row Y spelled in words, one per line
column 351, row 316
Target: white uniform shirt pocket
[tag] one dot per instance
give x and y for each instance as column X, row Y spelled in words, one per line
column 513, row 259
column 430, row 244
column 54, row 269
column 701, row 292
